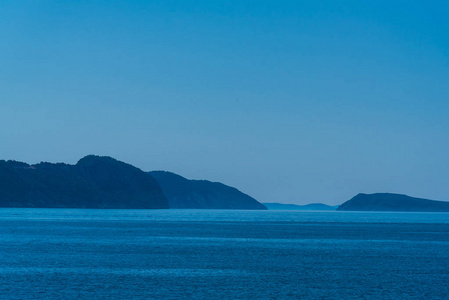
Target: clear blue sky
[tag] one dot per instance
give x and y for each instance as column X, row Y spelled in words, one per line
column 289, row 101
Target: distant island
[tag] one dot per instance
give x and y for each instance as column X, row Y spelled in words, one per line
column 185, row 193
column 392, row 202
column 104, row 182
column 311, row 206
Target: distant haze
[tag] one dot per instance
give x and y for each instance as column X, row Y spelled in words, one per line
column 288, row 101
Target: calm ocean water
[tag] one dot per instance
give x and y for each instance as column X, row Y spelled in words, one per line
column 183, row 254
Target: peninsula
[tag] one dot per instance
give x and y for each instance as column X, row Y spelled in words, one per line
column 104, row 182
column 199, row 194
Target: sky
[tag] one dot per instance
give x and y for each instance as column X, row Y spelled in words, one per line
column 288, row 101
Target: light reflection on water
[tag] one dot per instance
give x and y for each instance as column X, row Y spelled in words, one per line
column 178, row 215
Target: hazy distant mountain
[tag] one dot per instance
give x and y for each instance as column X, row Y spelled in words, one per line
column 185, row 193
column 393, row 202
column 94, row 182
column 311, row 206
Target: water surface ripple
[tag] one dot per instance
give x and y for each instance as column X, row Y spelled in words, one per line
column 181, row 254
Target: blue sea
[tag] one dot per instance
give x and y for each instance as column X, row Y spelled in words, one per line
column 214, row 254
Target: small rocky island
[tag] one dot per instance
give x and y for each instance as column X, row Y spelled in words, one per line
column 393, row 202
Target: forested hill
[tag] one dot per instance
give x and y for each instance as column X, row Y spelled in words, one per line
column 185, row 193
column 94, row 182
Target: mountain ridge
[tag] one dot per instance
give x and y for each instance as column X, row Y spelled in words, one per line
column 104, row 182
column 186, row 193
